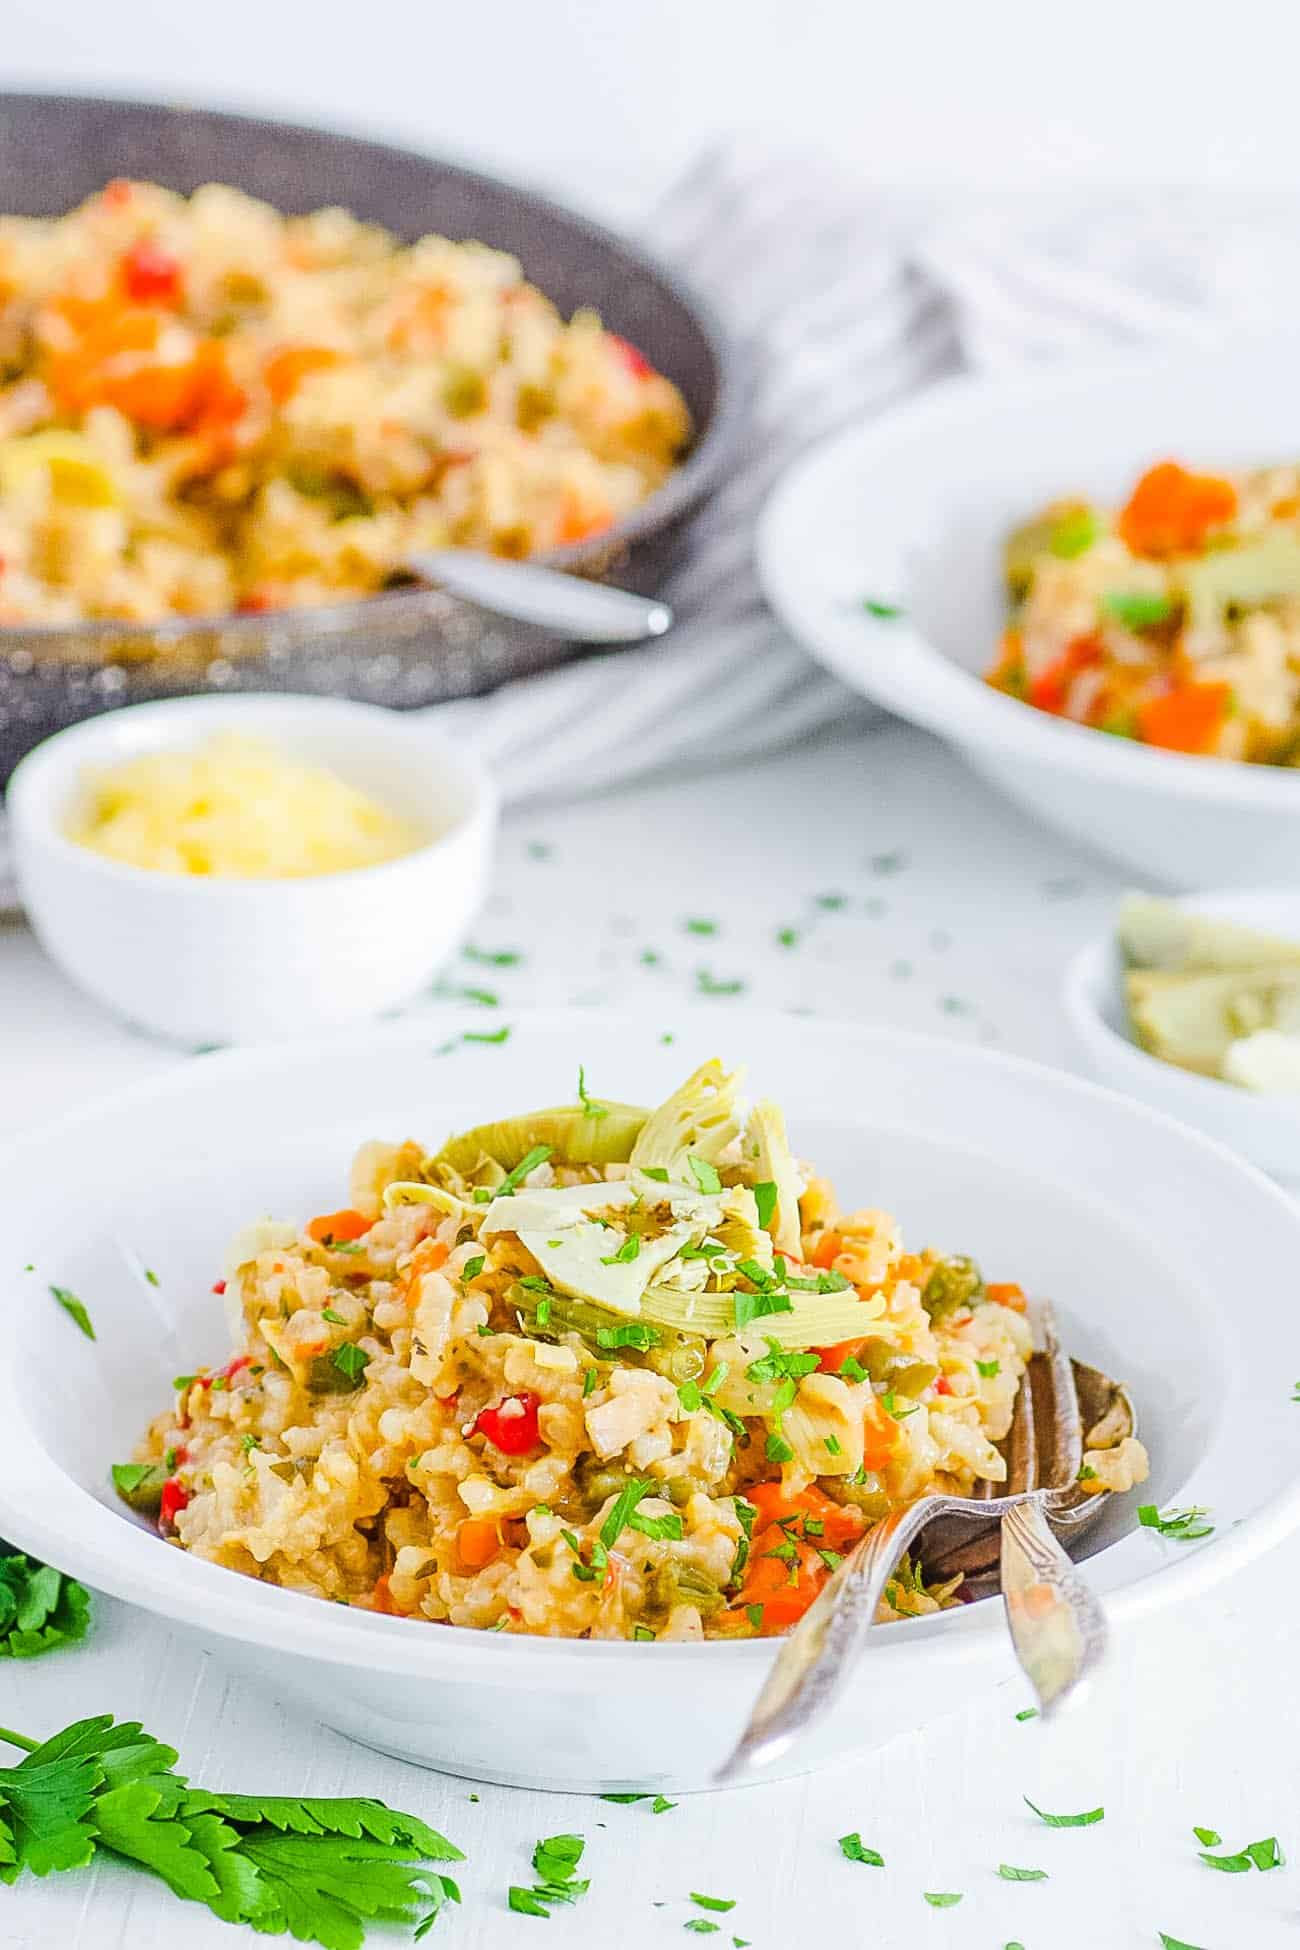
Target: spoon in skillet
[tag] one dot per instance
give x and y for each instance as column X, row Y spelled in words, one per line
column 1057, row 1625
column 526, row 592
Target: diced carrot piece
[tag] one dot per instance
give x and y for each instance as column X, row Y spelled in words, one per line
column 1188, row 719
column 827, row 1249
column 339, row 1227
column 477, row 1542
column 842, row 1524
column 286, row 368
column 1005, row 1293
column 1172, row 512
column 880, row 1436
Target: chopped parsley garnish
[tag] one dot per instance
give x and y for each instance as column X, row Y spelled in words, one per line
column 590, row 1381
column 693, row 925
column 543, row 1314
column 710, row 984
column 1008, row 1874
column 473, row 1267
column 656, row 1172
column 587, row 1573
column 754, row 1613
column 75, row 1309
column 1208, row 1837
column 182, row 1383
column 501, row 1035
column 621, row 1509
column 885, row 612
column 690, row 1396
column 666, row 1529
column 484, row 997
column 702, row 1926
column 643, row 1633
column 351, row 1360
column 1027, row 1713
column 704, row 1173
column 753, row 1306
column 661, row 1805
column 941, row 1898
column 852, row 1369
column 529, row 1162
column 719, row 1903
column 1073, row 534
column 765, row 1200
column 853, row 1849
column 1175, row 1943
column 626, row 1253
column 1263, row 1855
column 151, row 1276
column 889, row 1402
column 1087, row 1474
column 335, row 1320
column 778, row 1450
column 493, row 957
column 787, row 937
column 624, row 1800
column 779, row 1365
column 591, row 1107
column 988, row 1369
column 833, row 1445
column 1184, row 1526
column 635, row 1334
column 1087, row 1820
column 524, row 1903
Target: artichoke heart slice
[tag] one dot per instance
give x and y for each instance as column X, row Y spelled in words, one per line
column 573, row 1260
column 574, row 1136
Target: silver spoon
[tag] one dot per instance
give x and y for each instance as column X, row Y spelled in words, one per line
column 1057, row 1626
column 569, row 606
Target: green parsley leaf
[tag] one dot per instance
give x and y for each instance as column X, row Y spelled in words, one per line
column 696, row 926
column 765, row 1200
column 635, row 1333
column 749, row 1307
column 709, row 984
column 778, row 1450
column 626, row 1253
column 75, row 1309
column 1008, row 1874
column 40, row 1608
column 486, row 998
column 621, row 1509
column 941, row 1899
column 1183, row 1526
column 834, row 1447
column 1175, row 1943
column 661, row 1806
column 151, row 1276
column 1087, row 1474
column 988, row 1369
column 351, row 1360
column 884, row 612
column 1208, row 1837
column 787, row 937
column 591, row 1107
column 1138, row 610
column 667, row 1528
column 525, row 1903
column 493, row 957
column 1073, row 534
column 501, row 1035
column 556, row 1858
column 704, row 1174
column 1233, row 1865
column 701, row 1926
column 643, row 1632
column 852, row 1369
column 1027, row 1713
column 690, row 1397
column 657, row 1172
column 623, row 1800
column 472, row 1268
column 754, row 1613
column 853, row 1849
column 1087, row 1820
column 590, row 1381
column 335, row 1320
column 182, row 1383
column 719, row 1903
column 529, row 1162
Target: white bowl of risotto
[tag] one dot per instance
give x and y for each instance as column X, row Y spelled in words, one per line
column 225, row 870
column 541, row 1577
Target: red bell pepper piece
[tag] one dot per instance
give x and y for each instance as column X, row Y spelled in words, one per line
column 511, row 1426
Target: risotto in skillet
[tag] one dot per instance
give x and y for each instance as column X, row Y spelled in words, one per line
column 206, row 406
column 590, row 1372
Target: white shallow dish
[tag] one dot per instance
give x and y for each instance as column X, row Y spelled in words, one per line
column 911, row 509
column 1264, row 1128
column 224, row 960
column 1141, row 1231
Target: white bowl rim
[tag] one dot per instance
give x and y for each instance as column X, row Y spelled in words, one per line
column 226, row 1604
column 52, row 765
column 917, row 679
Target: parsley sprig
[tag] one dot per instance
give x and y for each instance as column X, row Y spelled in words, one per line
column 39, row 1609
column 1183, row 1526
column 555, row 1864
column 317, row 1869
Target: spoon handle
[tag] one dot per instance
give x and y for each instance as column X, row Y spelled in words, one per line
column 569, row 606
column 816, row 1659
column 1057, row 1626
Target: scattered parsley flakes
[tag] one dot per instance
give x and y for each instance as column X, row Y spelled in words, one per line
column 40, row 1608
column 621, row 1509
column 661, row 1805
column 754, row 1613
column 749, row 1307
column 884, row 612
column 941, row 1899
column 853, row 1849
column 706, row 983
column 1175, row 1943
column 351, row 1360
column 1183, row 1526
column 592, row 1108
column 1067, row 1821
column 1263, row 1856
column 704, row 1173
column 590, row 1381
column 1027, row 1713
column 486, row 998
column 701, row 1926
column 1087, row 1474
column 626, row 1253
column 892, row 862
column 540, row 850
column 787, row 937
column 493, row 957
column 1136, row 610
column 75, row 1309
column 1208, row 1837
column 501, row 1035
column 524, row 1903
column 693, row 925
column 624, row 1800
column 529, row 1162
column 636, row 1333
column 472, row 1268
column 151, row 1276
column 335, row 1320
column 1008, row 1874
column 832, row 903
column 719, row 1903
column 988, row 1369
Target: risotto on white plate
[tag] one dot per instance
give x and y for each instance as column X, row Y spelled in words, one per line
column 593, row 1371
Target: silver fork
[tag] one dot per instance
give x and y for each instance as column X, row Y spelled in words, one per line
column 1057, row 1627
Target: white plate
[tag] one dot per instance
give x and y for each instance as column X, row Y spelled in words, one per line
column 911, row 509
column 1265, row 1128
column 1169, row 1260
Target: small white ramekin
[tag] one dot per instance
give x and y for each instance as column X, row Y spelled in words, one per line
column 234, row 961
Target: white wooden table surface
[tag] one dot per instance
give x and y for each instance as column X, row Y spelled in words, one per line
column 944, row 911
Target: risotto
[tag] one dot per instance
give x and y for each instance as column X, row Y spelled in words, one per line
column 206, row 406
column 1174, row 620
column 590, row 1372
